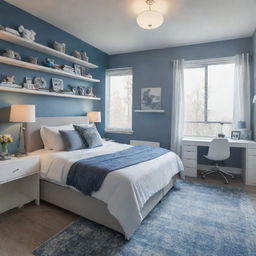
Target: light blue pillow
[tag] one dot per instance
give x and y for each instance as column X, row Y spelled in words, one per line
column 90, row 135
column 72, row 140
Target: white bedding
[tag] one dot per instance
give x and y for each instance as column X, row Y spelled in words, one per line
column 125, row 191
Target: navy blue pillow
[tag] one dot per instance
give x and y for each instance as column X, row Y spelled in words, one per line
column 72, row 140
column 90, row 135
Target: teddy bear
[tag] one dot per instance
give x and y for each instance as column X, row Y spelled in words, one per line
column 26, row 33
column 11, row 54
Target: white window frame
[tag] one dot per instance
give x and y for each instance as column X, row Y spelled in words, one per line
column 203, row 64
column 112, row 72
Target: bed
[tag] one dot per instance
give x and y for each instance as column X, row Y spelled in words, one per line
column 126, row 196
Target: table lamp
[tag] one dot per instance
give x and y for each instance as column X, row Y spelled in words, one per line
column 22, row 114
column 94, row 117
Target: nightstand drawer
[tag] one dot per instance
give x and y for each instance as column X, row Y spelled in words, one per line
column 16, row 168
column 190, row 148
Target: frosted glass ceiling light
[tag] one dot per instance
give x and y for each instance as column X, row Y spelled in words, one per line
column 150, row 19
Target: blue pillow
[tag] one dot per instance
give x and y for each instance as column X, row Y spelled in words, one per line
column 72, row 140
column 90, row 135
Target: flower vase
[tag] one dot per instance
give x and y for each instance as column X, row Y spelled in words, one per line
column 4, row 152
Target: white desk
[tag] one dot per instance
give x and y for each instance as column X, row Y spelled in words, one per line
column 189, row 156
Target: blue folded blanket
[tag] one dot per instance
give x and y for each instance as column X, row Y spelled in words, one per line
column 87, row 175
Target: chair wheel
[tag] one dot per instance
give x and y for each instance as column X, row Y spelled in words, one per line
column 203, row 177
column 226, row 182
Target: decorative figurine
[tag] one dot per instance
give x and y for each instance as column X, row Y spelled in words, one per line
column 77, row 54
column 11, row 54
column 32, row 60
column 2, row 27
column 9, row 79
column 61, row 47
column 12, row 31
column 81, row 90
column 84, row 56
column 89, row 92
column 40, row 83
column 49, row 62
column 26, row 33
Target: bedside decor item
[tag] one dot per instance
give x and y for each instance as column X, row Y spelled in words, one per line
column 32, row 60
column 57, row 85
column 235, row 135
column 150, row 19
column 4, row 141
column 11, row 54
column 40, row 83
column 22, row 114
column 9, row 79
column 150, row 98
column 28, row 34
column 61, row 47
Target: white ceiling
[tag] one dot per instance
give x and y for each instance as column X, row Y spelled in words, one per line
column 110, row 25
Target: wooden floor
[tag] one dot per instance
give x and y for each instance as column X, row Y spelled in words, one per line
column 22, row 230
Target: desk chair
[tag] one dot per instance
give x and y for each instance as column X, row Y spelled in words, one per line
column 219, row 151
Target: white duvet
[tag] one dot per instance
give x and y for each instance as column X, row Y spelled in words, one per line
column 125, row 191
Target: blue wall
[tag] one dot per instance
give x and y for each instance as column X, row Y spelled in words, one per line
column 46, row 105
column 154, row 69
column 254, row 74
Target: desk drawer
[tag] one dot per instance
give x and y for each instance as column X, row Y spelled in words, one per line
column 190, row 171
column 189, row 154
column 189, row 163
column 189, row 148
column 251, row 152
column 17, row 169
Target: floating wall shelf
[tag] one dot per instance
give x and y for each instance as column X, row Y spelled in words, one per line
column 42, row 48
column 149, row 111
column 54, row 94
column 27, row 65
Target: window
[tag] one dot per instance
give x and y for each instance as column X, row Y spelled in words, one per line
column 208, row 97
column 119, row 100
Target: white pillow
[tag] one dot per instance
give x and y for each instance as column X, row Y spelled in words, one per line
column 51, row 137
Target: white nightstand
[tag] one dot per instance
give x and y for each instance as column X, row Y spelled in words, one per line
column 19, row 182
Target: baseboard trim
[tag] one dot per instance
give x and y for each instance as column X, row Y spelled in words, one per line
column 203, row 167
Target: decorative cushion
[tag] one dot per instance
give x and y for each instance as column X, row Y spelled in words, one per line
column 90, row 135
column 72, row 140
column 51, row 137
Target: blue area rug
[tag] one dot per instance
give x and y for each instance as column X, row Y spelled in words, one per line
column 192, row 220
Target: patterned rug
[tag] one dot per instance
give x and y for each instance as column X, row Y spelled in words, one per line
column 192, row 220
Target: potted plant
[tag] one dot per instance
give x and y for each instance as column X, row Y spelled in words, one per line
column 4, row 141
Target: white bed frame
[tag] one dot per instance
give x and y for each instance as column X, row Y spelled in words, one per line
column 69, row 199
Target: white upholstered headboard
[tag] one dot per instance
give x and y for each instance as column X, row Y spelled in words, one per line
column 33, row 138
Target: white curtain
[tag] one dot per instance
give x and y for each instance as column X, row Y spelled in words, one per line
column 242, row 96
column 177, row 106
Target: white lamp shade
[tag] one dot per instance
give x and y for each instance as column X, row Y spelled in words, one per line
column 94, row 117
column 150, row 19
column 22, row 113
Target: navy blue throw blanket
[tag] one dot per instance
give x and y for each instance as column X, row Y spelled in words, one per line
column 87, row 175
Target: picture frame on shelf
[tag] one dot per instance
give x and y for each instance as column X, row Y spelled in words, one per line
column 57, row 85
column 77, row 68
column 151, row 98
column 235, row 135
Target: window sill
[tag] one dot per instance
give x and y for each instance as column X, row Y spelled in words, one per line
column 119, row 131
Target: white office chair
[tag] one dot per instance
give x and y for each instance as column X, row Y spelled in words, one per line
column 219, row 151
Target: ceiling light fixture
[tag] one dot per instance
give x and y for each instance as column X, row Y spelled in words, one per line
column 150, row 19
